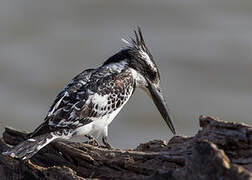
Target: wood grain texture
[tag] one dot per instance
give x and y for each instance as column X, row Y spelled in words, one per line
column 220, row 150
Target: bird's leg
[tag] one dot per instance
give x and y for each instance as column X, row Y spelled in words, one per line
column 89, row 137
column 93, row 141
column 105, row 142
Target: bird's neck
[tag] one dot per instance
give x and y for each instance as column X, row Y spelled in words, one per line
column 118, row 57
column 117, row 66
column 140, row 81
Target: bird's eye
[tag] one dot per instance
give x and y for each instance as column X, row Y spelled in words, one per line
column 152, row 75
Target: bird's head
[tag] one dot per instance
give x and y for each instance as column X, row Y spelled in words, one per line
column 138, row 58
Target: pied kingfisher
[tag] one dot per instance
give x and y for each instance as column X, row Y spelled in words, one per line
column 89, row 103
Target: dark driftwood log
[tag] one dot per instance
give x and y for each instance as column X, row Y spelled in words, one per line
column 221, row 150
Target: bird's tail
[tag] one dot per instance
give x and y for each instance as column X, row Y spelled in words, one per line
column 28, row 148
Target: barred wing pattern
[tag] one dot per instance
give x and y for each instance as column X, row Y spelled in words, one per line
column 92, row 99
column 91, row 95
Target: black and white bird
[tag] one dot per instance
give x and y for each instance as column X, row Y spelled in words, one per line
column 89, row 103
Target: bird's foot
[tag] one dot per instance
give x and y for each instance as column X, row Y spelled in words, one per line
column 105, row 142
column 92, row 141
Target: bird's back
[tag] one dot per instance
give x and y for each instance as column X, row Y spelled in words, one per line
column 93, row 98
column 92, row 95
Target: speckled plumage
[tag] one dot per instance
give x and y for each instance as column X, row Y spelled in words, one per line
column 100, row 94
column 92, row 99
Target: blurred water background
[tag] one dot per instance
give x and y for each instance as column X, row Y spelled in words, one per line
column 203, row 49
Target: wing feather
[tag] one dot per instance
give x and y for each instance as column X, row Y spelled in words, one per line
column 90, row 96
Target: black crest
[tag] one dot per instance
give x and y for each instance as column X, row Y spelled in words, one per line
column 133, row 54
column 138, row 62
column 138, row 43
column 132, row 49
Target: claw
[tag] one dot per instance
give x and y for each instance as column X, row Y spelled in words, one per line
column 105, row 142
column 92, row 141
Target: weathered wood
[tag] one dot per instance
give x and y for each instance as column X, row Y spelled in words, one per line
column 221, row 150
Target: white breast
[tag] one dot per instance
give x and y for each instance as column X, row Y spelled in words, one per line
column 99, row 125
column 139, row 79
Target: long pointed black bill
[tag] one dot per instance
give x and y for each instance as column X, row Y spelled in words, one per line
column 161, row 105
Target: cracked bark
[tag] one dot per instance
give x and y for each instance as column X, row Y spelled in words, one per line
column 220, row 150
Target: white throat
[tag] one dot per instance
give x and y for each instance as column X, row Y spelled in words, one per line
column 139, row 79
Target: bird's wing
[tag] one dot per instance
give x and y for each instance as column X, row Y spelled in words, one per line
column 64, row 100
column 89, row 96
column 68, row 93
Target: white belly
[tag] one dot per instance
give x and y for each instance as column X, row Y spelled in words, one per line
column 99, row 126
